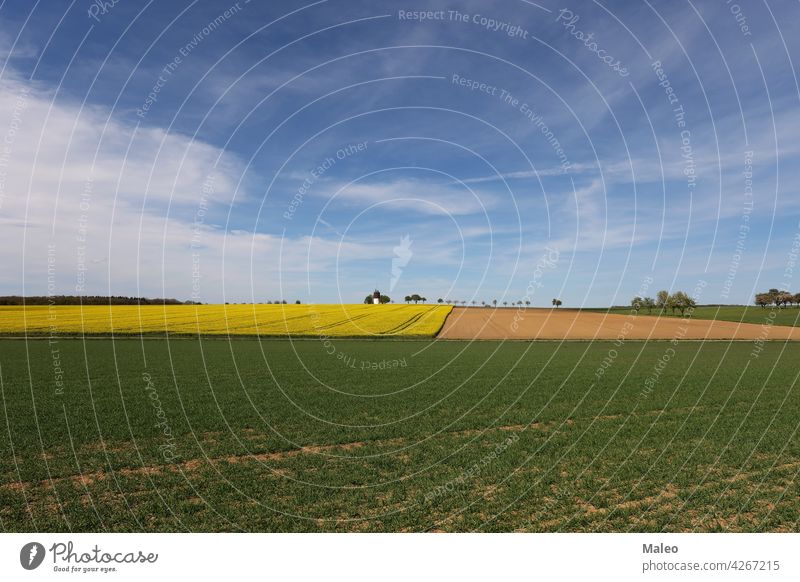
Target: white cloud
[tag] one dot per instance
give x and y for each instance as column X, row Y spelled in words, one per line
column 91, row 192
column 422, row 197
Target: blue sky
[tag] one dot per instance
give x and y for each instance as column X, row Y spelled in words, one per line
column 247, row 152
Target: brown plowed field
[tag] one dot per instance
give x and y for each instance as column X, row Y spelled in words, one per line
column 569, row 324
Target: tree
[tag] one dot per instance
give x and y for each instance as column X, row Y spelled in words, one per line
column 440, row 300
column 385, row 299
column 691, row 304
column 649, row 303
column 557, row 302
column 763, row 299
column 681, row 301
column 297, row 302
column 407, row 298
column 494, row 302
column 797, row 299
column 527, row 303
column 783, row 298
column 636, row 304
column 416, row 298
column 773, row 293
column 662, row 300
column 505, row 302
column 672, row 302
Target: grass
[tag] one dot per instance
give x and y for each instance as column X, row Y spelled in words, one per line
column 739, row 313
column 338, row 320
column 352, row 435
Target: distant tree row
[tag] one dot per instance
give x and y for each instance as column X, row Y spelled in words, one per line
column 664, row 300
column 493, row 303
column 86, row 300
column 113, row 300
column 416, row 298
column 777, row 298
column 457, row 301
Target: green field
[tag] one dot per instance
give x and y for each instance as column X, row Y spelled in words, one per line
column 296, row 436
column 740, row 313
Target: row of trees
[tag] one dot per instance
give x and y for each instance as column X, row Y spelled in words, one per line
column 461, row 302
column 86, row 300
column 664, row 300
column 416, row 298
column 113, row 300
column 276, row 302
column 493, row 303
column 777, row 298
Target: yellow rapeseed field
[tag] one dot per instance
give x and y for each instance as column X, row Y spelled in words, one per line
column 264, row 320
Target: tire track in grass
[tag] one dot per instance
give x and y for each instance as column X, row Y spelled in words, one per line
column 88, row 478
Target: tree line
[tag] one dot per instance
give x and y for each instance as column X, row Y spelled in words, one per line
column 110, row 300
column 777, row 298
column 664, row 300
column 86, row 300
column 493, row 302
column 417, row 298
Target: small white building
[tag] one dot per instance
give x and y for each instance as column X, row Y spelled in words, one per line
column 376, row 297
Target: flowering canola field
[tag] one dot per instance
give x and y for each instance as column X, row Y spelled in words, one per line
column 360, row 320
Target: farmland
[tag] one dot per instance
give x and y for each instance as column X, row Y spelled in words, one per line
column 353, row 435
column 383, row 321
column 737, row 313
column 202, row 320
column 576, row 324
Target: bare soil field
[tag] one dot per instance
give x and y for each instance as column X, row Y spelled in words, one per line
column 572, row 324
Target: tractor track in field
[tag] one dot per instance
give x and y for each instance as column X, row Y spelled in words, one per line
column 409, row 322
column 194, row 464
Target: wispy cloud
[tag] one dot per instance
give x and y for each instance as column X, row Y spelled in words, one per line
column 412, row 196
